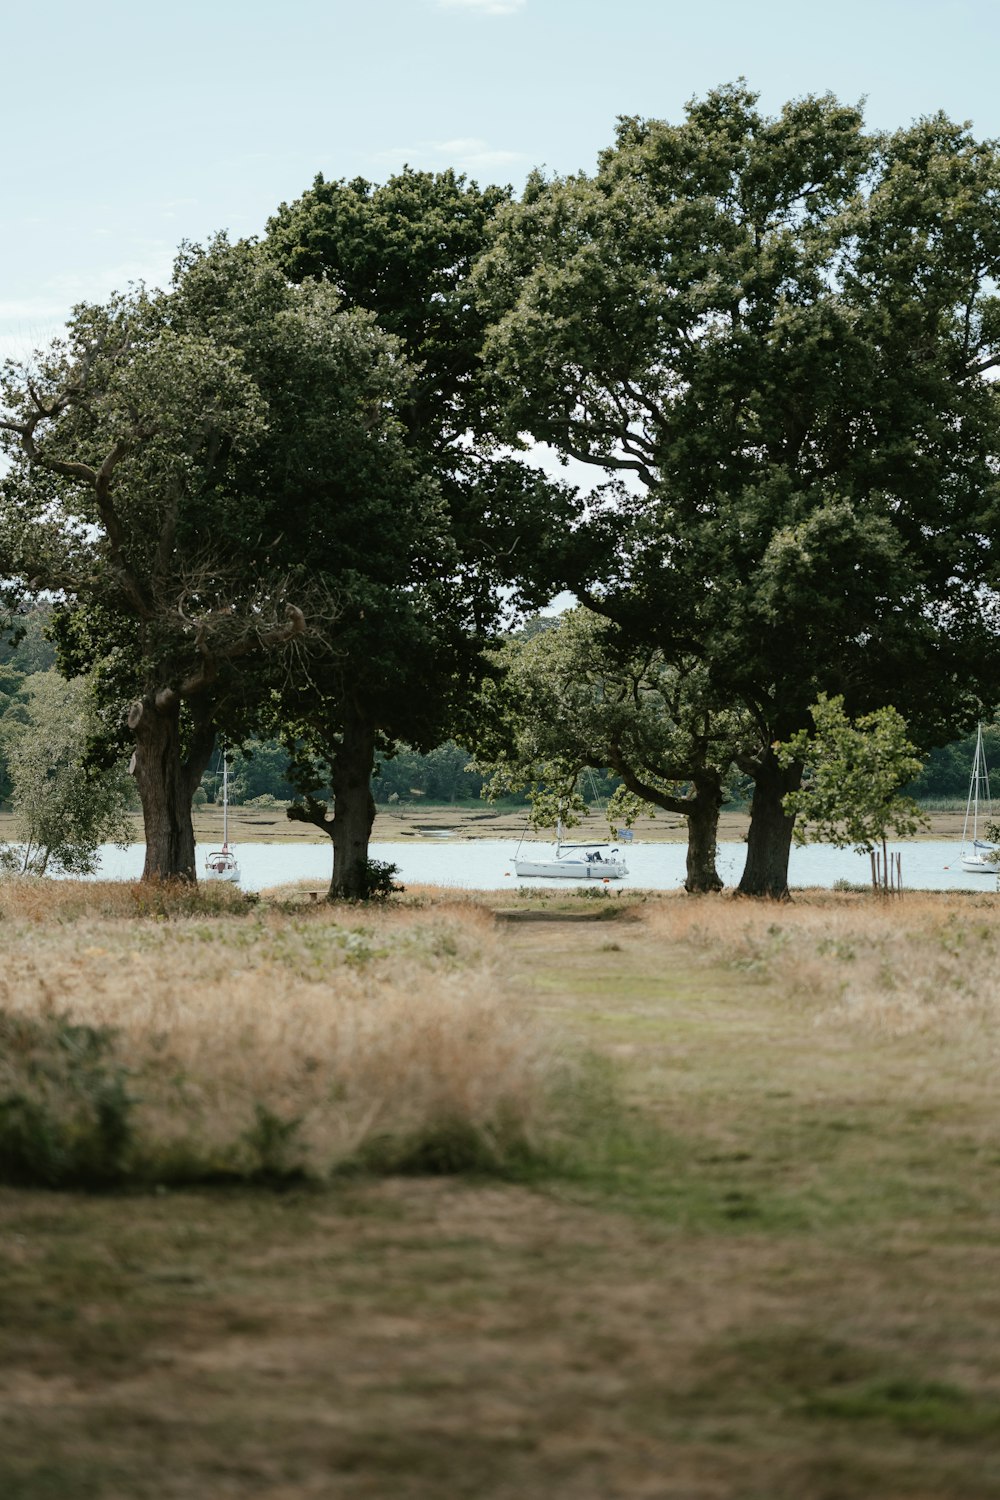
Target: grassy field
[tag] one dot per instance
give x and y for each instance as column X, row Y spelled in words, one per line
column 734, row 1229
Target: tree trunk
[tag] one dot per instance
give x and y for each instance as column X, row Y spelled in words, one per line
column 353, row 809
column 166, row 783
column 703, row 834
column 769, row 839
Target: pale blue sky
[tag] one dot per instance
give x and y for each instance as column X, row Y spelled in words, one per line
column 128, row 127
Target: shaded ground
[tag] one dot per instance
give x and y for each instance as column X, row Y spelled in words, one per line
column 778, row 1276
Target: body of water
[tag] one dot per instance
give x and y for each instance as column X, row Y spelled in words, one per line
column 487, row 865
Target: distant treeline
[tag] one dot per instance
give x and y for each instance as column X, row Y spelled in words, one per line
column 258, row 769
column 442, row 776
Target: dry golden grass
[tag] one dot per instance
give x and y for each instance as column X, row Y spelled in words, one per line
column 773, row 1278
column 927, row 961
column 257, row 1039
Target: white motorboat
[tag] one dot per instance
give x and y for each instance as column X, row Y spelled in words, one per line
column 574, row 862
column 978, row 856
column 222, row 864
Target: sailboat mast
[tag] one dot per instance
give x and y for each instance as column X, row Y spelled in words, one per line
column 225, row 801
column 979, row 788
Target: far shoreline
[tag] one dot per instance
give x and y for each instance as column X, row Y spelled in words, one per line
column 266, row 825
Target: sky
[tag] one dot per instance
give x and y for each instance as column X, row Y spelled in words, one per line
column 132, row 125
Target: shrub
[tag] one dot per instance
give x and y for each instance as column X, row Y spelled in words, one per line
column 380, row 880
column 65, row 1110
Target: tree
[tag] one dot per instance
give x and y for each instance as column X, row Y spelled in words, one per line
column 28, row 648
column 409, row 646
column 155, row 446
column 256, row 769
column 574, row 696
column 441, row 775
column 853, row 775
column 341, row 506
column 946, row 770
column 778, row 332
column 63, row 808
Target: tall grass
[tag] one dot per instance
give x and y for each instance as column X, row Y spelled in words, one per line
column 188, row 1043
column 926, row 962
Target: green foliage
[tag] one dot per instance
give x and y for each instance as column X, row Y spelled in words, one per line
column 257, row 768
column 448, row 1147
column 29, row 648
column 439, row 775
column 946, row 770
column 65, row 1106
column 271, row 1146
column 575, row 695
column 402, row 250
column 421, row 598
column 380, row 877
column 779, row 329
column 854, row 771
column 176, row 457
column 63, row 807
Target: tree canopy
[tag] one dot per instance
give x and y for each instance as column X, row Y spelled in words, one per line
column 854, row 775
column 776, row 333
column 63, row 808
column 401, row 254
column 282, row 498
column 575, row 695
column 162, row 450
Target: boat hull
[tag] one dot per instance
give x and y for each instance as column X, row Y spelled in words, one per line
column 977, row 864
column 571, row 869
column 221, row 864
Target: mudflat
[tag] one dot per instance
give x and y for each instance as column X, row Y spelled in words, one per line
column 269, row 824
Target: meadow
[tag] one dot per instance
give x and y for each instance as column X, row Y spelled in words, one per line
column 576, row 1195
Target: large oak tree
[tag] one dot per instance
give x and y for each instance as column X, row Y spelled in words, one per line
column 163, row 451
column 409, row 650
column 778, row 332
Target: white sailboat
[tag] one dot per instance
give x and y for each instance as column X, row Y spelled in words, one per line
column 978, row 856
column 574, row 862
column 222, row 864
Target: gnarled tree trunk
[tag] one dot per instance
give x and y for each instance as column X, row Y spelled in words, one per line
column 166, row 782
column 702, row 813
column 701, row 809
column 353, row 809
column 769, row 839
column 349, row 825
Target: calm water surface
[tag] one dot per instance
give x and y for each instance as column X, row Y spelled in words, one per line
column 487, row 865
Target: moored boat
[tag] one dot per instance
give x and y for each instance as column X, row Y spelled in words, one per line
column 222, row 864
column 978, row 856
column 574, row 862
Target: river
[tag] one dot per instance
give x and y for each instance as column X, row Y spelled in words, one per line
column 487, row 865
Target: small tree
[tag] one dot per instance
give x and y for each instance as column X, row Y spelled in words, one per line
column 63, row 808
column 850, row 793
column 576, row 695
